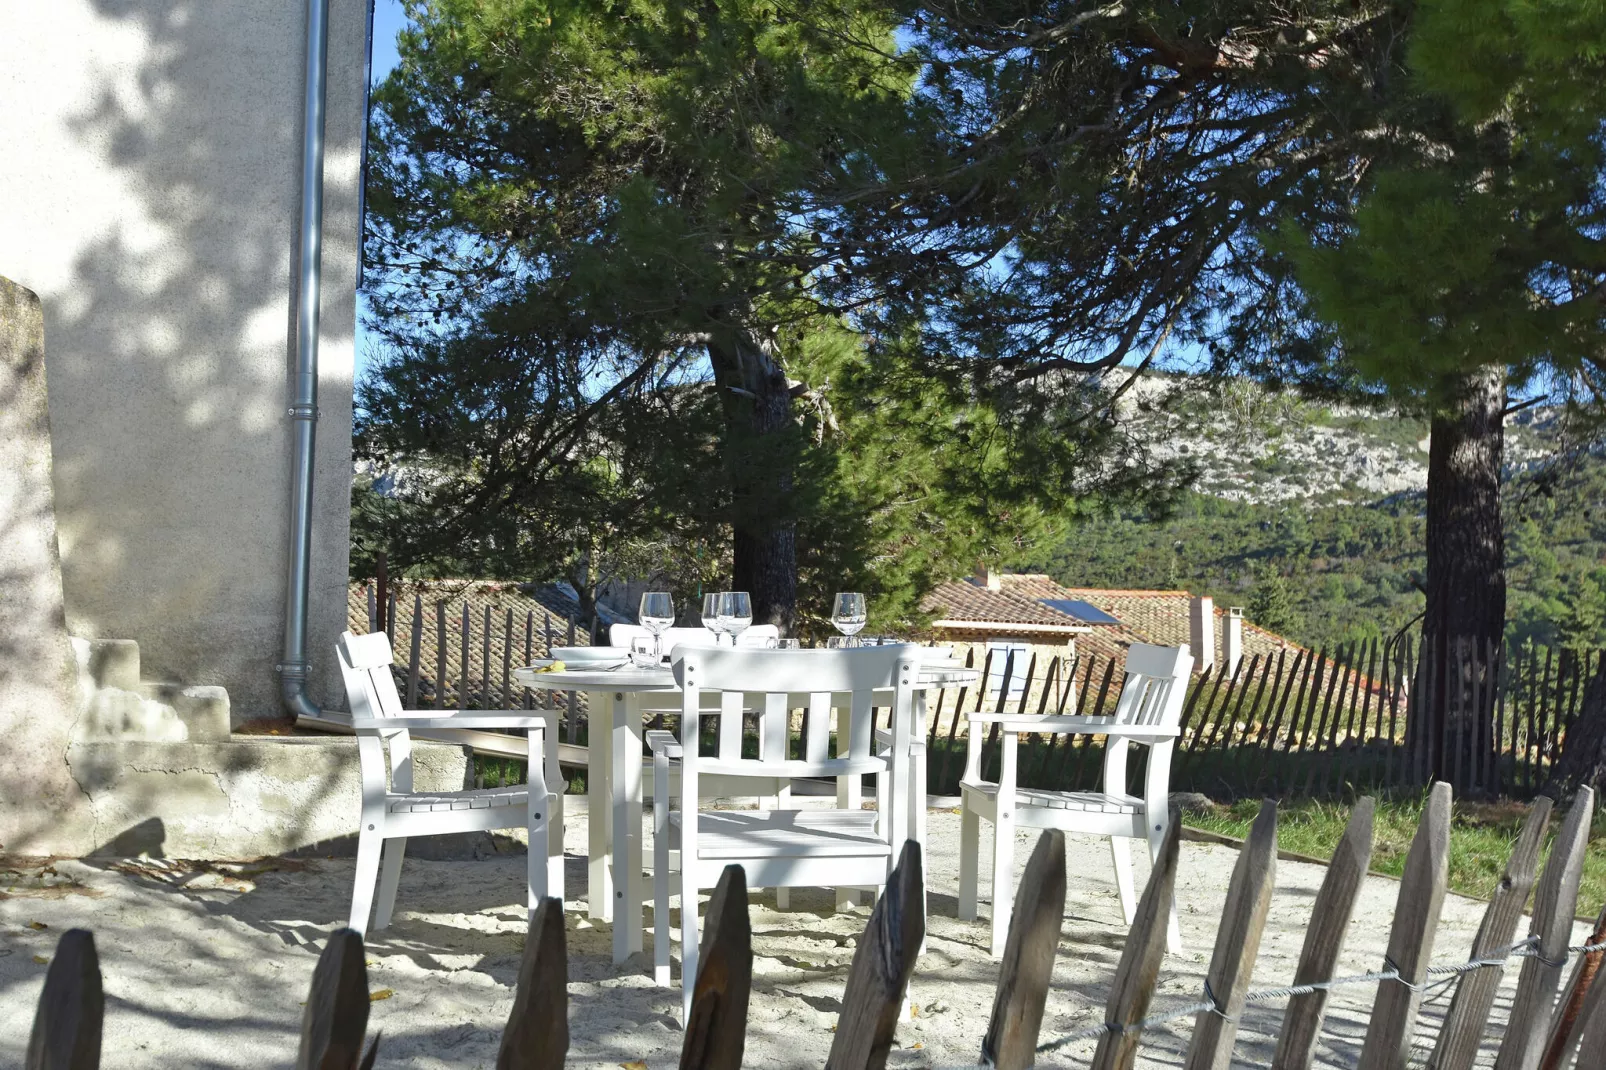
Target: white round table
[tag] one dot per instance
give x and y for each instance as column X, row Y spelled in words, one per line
column 615, row 702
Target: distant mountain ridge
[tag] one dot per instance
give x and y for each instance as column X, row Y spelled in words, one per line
column 1312, row 517
column 1262, row 447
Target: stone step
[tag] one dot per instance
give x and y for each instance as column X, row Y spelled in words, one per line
column 203, row 710
column 111, row 714
column 110, row 663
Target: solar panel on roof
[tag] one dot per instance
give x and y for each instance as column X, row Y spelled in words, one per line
column 1085, row 612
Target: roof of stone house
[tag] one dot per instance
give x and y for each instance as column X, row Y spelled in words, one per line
column 1160, row 616
column 961, row 602
column 1144, row 616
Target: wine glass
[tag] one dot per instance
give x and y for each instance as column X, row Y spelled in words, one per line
column 711, row 614
column 849, row 614
column 735, row 613
column 657, row 613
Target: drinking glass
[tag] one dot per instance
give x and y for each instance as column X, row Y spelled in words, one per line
column 849, row 614
column 644, row 652
column 711, row 614
column 735, row 613
column 657, row 613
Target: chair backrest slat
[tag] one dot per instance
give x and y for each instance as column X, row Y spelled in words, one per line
column 365, row 662
column 1155, row 686
column 777, row 724
column 861, row 727
column 772, row 681
column 730, row 726
column 817, row 728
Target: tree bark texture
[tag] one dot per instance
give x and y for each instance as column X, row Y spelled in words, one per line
column 760, row 453
column 1583, row 754
column 1466, row 577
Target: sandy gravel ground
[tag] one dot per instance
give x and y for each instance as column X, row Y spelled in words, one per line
column 206, row 966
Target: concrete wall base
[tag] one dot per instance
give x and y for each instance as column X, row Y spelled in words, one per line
column 237, row 799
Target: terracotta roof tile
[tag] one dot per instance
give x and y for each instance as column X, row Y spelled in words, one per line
column 962, row 600
column 1145, row 616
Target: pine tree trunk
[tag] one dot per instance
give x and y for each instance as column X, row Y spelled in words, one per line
column 760, row 447
column 1583, row 754
column 1466, row 566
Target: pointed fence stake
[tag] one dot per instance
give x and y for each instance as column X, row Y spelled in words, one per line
column 67, row 1024
column 716, row 1029
column 1416, row 919
column 1243, row 922
column 1139, row 967
column 1565, row 1028
column 1324, row 940
column 1462, row 1032
column 1592, row 1027
column 1554, row 905
column 1028, row 965
column 537, row 1033
column 336, row 1017
column 879, row 976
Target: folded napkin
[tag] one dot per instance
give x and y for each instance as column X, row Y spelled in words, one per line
column 556, row 666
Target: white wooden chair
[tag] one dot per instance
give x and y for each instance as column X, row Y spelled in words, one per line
column 392, row 811
column 776, row 848
column 767, row 791
column 1147, row 712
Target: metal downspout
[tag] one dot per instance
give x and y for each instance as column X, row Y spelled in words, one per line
column 294, row 668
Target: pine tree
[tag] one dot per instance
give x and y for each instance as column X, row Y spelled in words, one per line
column 614, row 247
column 1270, row 605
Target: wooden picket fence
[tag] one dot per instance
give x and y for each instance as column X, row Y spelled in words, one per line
column 1301, row 722
column 460, row 653
column 1325, row 722
column 1539, row 1034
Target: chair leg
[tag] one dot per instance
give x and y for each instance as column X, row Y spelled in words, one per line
column 1121, row 852
column 389, row 878
column 688, row 932
column 849, row 796
column 660, row 887
column 554, row 847
column 538, row 825
column 917, row 789
column 1003, row 880
column 969, row 861
column 369, row 842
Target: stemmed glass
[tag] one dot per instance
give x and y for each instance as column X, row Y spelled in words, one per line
column 657, row 613
column 711, row 615
column 849, row 615
column 735, row 613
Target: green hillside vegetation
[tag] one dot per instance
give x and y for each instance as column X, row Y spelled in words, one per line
column 1340, row 573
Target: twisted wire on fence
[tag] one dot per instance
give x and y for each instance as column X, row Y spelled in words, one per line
column 1447, row 973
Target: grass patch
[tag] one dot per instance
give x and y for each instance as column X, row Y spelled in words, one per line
column 1481, row 838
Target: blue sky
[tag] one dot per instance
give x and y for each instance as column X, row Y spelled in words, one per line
column 388, row 21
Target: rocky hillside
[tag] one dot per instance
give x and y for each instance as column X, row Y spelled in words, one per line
column 1255, row 446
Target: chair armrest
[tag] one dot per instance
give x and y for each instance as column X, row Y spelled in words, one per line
column 472, row 719
column 665, row 743
column 1088, row 726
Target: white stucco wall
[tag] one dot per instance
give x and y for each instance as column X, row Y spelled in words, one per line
column 149, row 193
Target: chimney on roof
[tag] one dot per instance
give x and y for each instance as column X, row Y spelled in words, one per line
column 1232, row 639
column 986, row 577
column 1202, row 632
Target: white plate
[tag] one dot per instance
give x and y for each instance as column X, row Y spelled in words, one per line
column 581, row 655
